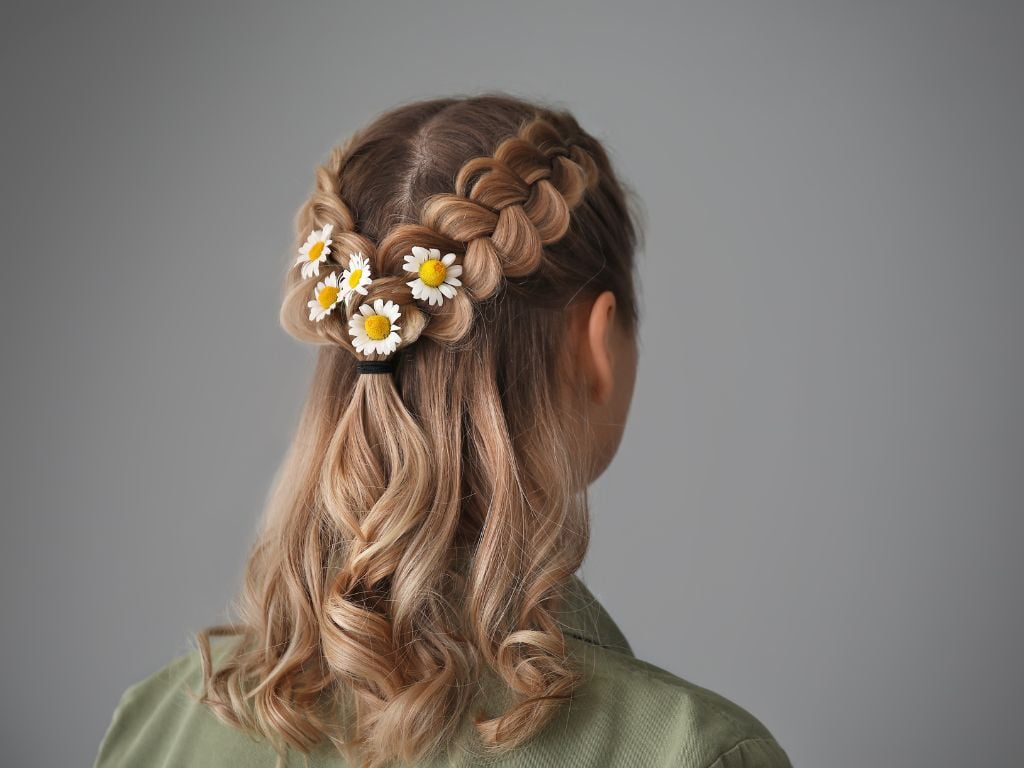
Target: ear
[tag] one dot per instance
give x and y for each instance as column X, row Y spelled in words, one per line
column 600, row 347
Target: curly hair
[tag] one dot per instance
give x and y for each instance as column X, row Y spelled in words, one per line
column 421, row 529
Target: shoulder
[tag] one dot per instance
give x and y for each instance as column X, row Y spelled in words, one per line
column 627, row 712
column 158, row 722
column 649, row 716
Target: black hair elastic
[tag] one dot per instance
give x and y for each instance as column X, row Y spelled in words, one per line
column 375, row 366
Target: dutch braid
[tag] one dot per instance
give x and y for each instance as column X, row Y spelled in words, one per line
column 504, row 209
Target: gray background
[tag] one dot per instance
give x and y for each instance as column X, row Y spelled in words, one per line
column 817, row 506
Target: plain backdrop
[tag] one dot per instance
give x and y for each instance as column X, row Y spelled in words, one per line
column 817, row 508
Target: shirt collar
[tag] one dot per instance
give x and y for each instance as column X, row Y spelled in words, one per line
column 581, row 615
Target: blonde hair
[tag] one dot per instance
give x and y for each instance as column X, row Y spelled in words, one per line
column 423, row 524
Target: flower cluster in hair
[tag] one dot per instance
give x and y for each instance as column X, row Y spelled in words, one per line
column 374, row 327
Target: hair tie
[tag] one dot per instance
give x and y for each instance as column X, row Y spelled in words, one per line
column 375, row 366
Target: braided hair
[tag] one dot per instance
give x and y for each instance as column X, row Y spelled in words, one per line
column 505, row 207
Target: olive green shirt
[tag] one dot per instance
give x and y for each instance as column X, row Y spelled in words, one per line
column 626, row 713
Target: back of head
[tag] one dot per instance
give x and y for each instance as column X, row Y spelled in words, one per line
column 427, row 516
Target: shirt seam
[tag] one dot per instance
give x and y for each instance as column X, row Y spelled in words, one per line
column 759, row 739
column 591, row 641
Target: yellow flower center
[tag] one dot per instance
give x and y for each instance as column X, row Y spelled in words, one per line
column 378, row 327
column 354, row 278
column 316, row 250
column 432, row 272
column 328, row 296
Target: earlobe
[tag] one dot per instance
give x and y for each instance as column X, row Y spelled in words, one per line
column 599, row 336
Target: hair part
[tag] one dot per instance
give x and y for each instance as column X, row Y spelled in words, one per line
column 422, row 525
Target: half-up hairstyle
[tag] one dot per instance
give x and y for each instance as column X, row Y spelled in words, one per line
column 424, row 523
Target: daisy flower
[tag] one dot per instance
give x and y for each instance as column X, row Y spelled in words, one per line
column 315, row 250
column 437, row 277
column 325, row 297
column 373, row 329
column 356, row 277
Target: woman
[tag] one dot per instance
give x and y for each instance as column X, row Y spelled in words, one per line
column 466, row 265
